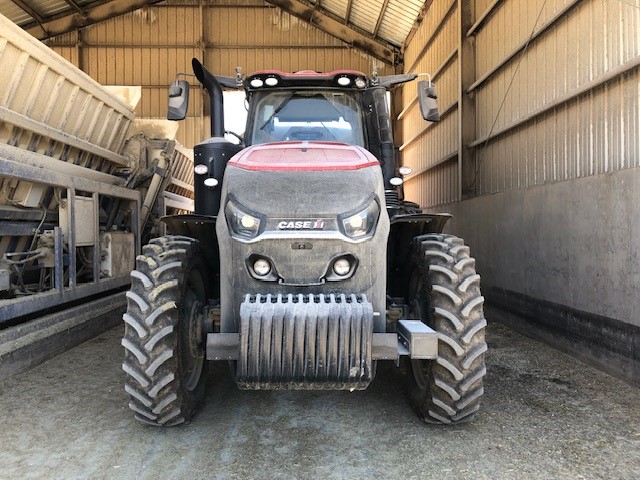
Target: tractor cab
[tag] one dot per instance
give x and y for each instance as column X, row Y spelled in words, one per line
column 306, row 106
column 342, row 106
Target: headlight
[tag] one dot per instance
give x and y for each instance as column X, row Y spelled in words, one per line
column 201, row 169
column 240, row 223
column 362, row 223
column 261, row 267
column 341, row 267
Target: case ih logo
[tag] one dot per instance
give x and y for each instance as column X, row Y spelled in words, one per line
column 301, row 225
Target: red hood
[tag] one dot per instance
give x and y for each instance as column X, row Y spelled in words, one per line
column 303, row 156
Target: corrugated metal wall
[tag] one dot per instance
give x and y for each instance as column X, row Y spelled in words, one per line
column 538, row 157
column 566, row 108
column 587, row 135
column 149, row 46
column 431, row 150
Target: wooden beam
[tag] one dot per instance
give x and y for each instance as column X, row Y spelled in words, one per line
column 379, row 22
column 467, row 166
column 348, row 12
column 336, row 29
column 99, row 13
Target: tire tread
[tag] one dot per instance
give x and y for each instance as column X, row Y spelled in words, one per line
column 452, row 287
column 150, row 341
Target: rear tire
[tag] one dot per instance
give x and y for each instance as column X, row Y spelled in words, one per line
column 444, row 292
column 163, row 340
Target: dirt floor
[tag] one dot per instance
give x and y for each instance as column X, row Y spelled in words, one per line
column 545, row 416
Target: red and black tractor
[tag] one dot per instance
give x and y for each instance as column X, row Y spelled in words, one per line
column 303, row 265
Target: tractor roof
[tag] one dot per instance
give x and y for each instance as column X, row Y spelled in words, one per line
column 306, row 73
column 265, row 79
column 343, row 79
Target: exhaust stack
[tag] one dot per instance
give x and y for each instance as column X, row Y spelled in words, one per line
column 213, row 153
column 209, row 81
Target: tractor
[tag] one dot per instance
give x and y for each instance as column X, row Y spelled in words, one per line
column 303, row 265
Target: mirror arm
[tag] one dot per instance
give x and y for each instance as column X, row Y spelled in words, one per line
column 237, row 135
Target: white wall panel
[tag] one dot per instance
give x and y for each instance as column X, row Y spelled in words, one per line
column 549, row 179
column 430, row 149
column 589, row 135
column 555, row 118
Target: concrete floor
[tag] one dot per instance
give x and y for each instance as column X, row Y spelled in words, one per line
column 545, row 415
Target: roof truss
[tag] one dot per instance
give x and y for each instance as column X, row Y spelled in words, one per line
column 339, row 30
column 28, row 9
column 380, row 17
column 347, row 14
column 82, row 17
column 74, row 5
column 79, row 16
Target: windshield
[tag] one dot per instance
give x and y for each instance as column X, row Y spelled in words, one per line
column 310, row 115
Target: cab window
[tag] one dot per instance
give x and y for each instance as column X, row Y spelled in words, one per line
column 293, row 116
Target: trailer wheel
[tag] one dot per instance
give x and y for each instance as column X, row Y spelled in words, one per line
column 444, row 292
column 163, row 339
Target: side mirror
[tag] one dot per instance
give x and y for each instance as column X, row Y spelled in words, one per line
column 178, row 100
column 428, row 99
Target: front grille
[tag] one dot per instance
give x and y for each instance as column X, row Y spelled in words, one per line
column 305, row 342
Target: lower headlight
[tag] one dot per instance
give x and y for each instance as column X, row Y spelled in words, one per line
column 362, row 223
column 241, row 223
column 261, row 267
column 342, row 267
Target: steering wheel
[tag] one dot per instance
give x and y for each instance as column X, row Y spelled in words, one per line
column 307, row 134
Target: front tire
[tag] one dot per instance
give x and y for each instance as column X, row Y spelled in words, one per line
column 444, row 292
column 163, row 340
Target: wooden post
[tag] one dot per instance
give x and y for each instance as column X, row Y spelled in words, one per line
column 466, row 101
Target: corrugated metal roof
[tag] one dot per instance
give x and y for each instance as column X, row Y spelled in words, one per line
column 45, row 9
column 364, row 13
column 385, row 20
column 398, row 20
column 337, row 7
column 394, row 18
column 48, row 8
column 14, row 13
column 42, row 8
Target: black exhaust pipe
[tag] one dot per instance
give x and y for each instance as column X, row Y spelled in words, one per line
column 208, row 81
column 213, row 153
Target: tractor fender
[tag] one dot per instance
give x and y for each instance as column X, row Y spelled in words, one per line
column 201, row 228
column 404, row 228
column 190, row 225
column 423, row 222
